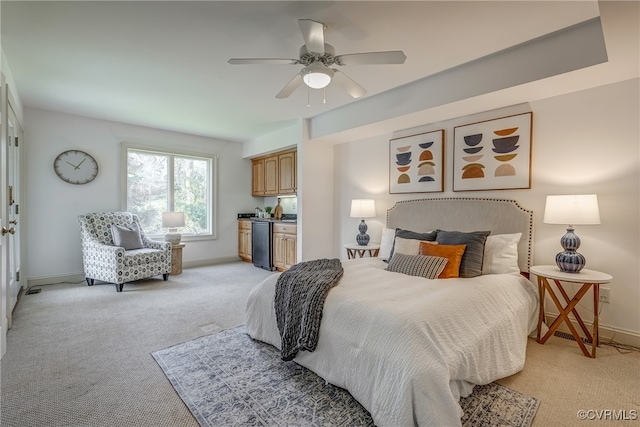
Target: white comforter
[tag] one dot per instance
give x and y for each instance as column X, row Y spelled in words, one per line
column 408, row 348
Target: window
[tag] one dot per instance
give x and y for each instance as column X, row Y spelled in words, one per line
column 159, row 181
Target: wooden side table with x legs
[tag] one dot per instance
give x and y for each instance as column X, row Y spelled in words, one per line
column 354, row 249
column 589, row 279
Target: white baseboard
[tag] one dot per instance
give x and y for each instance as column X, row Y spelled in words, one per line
column 80, row 278
column 54, row 280
column 203, row 262
column 607, row 333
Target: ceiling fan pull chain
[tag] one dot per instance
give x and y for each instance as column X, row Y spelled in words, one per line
column 308, row 97
column 324, row 96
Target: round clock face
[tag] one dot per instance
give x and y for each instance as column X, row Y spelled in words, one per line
column 75, row 167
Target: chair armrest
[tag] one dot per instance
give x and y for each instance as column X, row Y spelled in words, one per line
column 102, row 262
column 107, row 250
column 156, row 244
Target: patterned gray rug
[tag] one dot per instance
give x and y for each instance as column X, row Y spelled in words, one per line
column 228, row 379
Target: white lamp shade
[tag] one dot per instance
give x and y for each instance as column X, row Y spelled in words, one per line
column 172, row 219
column 363, row 208
column 317, row 75
column 572, row 210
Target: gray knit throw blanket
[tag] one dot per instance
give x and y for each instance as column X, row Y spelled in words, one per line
column 299, row 300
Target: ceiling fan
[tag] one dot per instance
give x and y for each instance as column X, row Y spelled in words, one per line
column 317, row 58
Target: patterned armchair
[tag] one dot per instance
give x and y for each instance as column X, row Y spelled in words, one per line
column 104, row 261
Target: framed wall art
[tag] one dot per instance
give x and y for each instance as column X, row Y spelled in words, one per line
column 493, row 154
column 416, row 163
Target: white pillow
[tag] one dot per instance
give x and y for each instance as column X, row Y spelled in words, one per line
column 501, row 254
column 386, row 243
column 407, row 246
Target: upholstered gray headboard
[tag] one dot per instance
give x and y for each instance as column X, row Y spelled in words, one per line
column 467, row 214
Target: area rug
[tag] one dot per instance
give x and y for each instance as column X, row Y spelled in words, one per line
column 228, row 379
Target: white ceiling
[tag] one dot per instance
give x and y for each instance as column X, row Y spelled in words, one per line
column 164, row 64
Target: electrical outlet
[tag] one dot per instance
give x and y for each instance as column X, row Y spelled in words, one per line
column 605, row 295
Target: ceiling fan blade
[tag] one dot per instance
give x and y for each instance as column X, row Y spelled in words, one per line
column 313, row 34
column 270, row 61
column 353, row 88
column 293, row 84
column 388, row 57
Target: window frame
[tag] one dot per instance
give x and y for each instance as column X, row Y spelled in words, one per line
column 213, row 184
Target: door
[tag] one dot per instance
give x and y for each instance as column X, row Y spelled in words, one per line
column 10, row 189
column 3, row 247
column 14, row 139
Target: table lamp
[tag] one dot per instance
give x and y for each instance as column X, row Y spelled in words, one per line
column 571, row 210
column 363, row 208
column 172, row 220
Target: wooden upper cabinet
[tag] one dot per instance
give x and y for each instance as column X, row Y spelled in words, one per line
column 287, row 176
column 271, row 176
column 274, row 174
column 257, row 187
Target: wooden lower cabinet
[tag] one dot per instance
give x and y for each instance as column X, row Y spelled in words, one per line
column 244, row 240
column 284, row 246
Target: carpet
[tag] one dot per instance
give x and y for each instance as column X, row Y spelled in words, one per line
column 228, row 379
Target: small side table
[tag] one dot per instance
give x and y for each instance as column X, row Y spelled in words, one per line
column 176, row 259
column 354, row 248
column 588, row 278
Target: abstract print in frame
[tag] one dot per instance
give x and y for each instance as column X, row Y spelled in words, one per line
column 416, row 163
column 493, row 154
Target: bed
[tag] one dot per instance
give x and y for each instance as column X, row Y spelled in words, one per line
column 406, row 347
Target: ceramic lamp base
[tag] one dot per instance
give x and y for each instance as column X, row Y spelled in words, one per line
column 363, row 238
column 569, row 260
column 173, row 236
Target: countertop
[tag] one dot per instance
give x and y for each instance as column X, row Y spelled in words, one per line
column 253, row 218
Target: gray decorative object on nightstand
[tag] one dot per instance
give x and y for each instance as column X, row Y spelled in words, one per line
column 363, row 208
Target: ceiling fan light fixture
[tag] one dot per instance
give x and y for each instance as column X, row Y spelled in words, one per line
column 317, row 76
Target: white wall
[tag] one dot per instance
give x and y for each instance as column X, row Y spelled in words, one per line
column 53, row 241
column 315, row 199
column 9, row 80
column 584, row 142
column 281, row 139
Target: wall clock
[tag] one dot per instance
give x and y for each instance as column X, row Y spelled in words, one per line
column 75, row 167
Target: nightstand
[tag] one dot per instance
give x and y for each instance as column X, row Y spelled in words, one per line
column 176, row 259
column 354, row 248
column 588, row 279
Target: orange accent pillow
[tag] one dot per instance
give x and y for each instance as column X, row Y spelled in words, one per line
column 452, row 252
